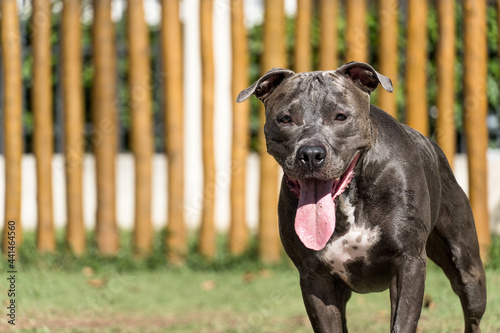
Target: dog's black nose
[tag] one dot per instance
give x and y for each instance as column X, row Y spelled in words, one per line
column 311, row 156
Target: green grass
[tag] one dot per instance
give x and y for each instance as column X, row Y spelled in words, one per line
column 58, row 293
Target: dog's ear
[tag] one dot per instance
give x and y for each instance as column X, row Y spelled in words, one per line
column 365, row 77
column 265, row 85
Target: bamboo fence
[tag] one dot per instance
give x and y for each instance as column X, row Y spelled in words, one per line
column 103, row 108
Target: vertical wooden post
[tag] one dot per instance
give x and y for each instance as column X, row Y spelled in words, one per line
column 238, row 230
column 445, row 126
column 388, row 52
column 140, row 108
column 274, row 56
column 475, row 112
column 303, row 36
column 73, row 123
column 328, row 12
column 43, row 145
column 105, row 126
column 207, row 234
column 356, row 31
column 12, row 118
column 174, row 127
column 416, row 61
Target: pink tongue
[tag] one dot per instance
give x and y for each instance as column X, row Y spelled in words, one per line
column 315, row 218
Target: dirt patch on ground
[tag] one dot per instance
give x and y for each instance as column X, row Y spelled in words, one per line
column 119, row 322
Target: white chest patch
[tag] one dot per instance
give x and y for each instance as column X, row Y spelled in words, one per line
column 354, row 245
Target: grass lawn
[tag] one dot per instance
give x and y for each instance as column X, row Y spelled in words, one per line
column 53, row 296
column 188, row 300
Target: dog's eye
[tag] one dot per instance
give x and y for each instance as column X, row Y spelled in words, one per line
column 341, row 117
column 285, row 119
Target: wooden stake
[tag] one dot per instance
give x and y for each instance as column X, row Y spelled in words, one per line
column 12, row 118
column 388, row 52
column 174, row 129
column 445, row 126
column 207, row 234
column 43, row 145
column 356, row 31
column 142, row 135
column 238, row 230
column 105, row 126
column 73, row 123
column 274, row 56
column 475, row 113
column 416, row 61
column 328, row 12
column 303, row 36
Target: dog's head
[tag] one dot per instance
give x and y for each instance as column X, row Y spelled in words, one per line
column 317, row 124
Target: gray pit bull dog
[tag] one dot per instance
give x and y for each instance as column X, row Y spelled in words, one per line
column 364, row 200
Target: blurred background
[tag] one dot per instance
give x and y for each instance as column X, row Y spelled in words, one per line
column 122, row 149
column 402, row 39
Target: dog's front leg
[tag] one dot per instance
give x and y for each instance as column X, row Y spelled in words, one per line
column 325, row 302
column 407, row 294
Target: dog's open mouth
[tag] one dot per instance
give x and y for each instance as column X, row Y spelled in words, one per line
column 315, row 218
